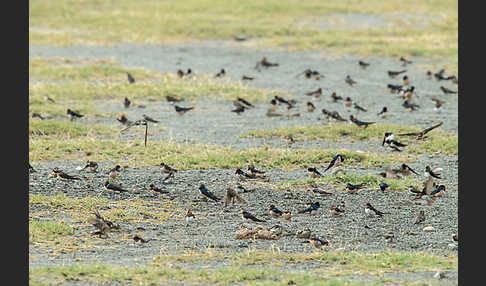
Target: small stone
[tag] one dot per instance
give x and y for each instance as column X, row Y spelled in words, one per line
column 452, row 246
column 429, row 229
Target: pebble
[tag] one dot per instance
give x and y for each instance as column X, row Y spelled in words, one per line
column 452, row 246
column 429, row 229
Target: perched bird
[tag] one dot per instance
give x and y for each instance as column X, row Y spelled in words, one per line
column 93, row 166
column 190, row 216
column 221, row 73
column 113, row 188
column 369, row 208
column 131, row 79
column 37, row 115
column 336, row 210
column 255, row 173
column 180, row 73
column 152, row 187
column 317, row 93
column 114, row 172
column 438, row 102
column 429, row 171
column 394, row 88
column 349, row 80
column 275, row 212
column 447, row 91
column 335, row 97
column 310, row 106
column 438, row 191
column 336, row 160
column 360, row 123
column 393, row 74
column 383, row 186
column 231, row 195
column 172, row 99
column 206, row 193
column 352, row 189
column 409, row 105
column 405, row 80
column 389, row 139
column 311, row 209
column 124, row 120
column 248, row 216
column 287, row 215
column 359, row 108
column 244, row 77
column 420, row 217
column 73, row 115
column 363, row 65
column 182, row 110
column 100, row 223
column 166, row 169
column 242, row 175
column 317, row 242
column 383, row 113
column 421, row 135
column 56, row 172
column 126, row 102
column 149, row 119
column 404, row 61
column 348, row 102
column 313, row 172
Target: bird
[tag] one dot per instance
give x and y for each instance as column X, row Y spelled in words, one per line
column 113, row 188
column 131, row 79
column 152, row 187
column 37, row 115
column 420, row 217
column 310, row 73
column 73, row 115
column 248, row 216
column 137, row 237
column 455, row 237
column 439, row 75
column 335, row 97
column 289, row 139
column 313, row 172
column 453, row 79
column 447, row 91
column 349, row 80
column 273, row 105
column 244, row 77
column 438, row 102
column 100, row 223
column 335, row 115
column 383, row 113
column 394, row 88
column 317, row 242
column 48, row 99
column 149, row 119
column 310, row 106
column 242, row 175
column 221, row 73
column 359, row 108
column 405, row 80
column 238, row 110
column 421, row 135
column 429, row 171
column 405, row 61
column 265, row 63
column 166, row 169
column 190, row 216
column 231, row 195
column 126, row 102
column 93, row 166
column 246, row 103
column 31, row 169
column 311, row 209
column 206, row 193
column 275, row 212
column 173, row 99
column 114, row 172
column 56, row 172
column 409, row 105
column 363, row 65
column 369, row 208
column 393, row 74
column 383, row 186
column 404, row 169
column 317, row 93
column 438, row 191
column 429, row 74
column 336, row 160
column 124, row 120
column 180, row 73
column 348, row 102
column 287, row 215
column 407, row 93
column 255, row 173
column 182, row 110
column 352, row 189
column 336, row 210
column 360, row 123
column 389, row 139
column 284, row 101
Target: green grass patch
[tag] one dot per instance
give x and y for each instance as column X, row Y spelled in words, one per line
column 47, row 230
column 65, row 130
column 438, row 141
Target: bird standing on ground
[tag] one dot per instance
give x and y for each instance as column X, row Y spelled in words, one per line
column 231, row 195
column 206, row 193
column 248, row 216
column 131, row 79
column 73, row 115
column 182, row 110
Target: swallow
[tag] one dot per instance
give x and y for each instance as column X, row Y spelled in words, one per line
column 352, row 189
column 190, row 216
column 138, row 238
column 335, row 115
column 420, row 135
column 389, row 139
column 393, row 74
column 100, row 223
column 188, row 72
column 246, row 103
column 313, row 172
column 348, row 102
column 113, row 188
column 248, row 216
column 206, row 193
column 360, row 123
column 383, row 113
column 311, row 209
column 407, row 93
column 240, row 38
column 284, row 101
column 317, row 93
column 310, row 107
column 124, row 120
column 429, row 74
column 131, row 79
column 73, row 115
column 336, row 210
column 335, row 97
column 455, row 237
column 244, row 77
column 359, row 108
column 180, row 73
column 336, row 160
column 405, row 80
column 438, row 191
column 317, row 242
column 405, row 170
column 453, row 79
column 411, row 106
column 439, row 75
column 126, row 102
column 238, row 110
column 363, row 65
column 310, row 73
column 149, row 119
column 383, row 186
column 265, row 63
column 273, row 106
column 275, row 212
column 172, row 99
column 166, row 169
column 242, row 175
column 221, row 73
column 48, row 99
column 287, row 215
column 35, row 114
column 182, row 110
column 114, row 172
column 349, row 80
column 447, row 91
column 56, row 172
column 31, row 169
column 152, row 187
column 429, row 171
column 289, row 139
column 405, row 61
column 438, row 102
column 369, row 208
column 420, row 217
column 93, row 166
column 231, row 195
column 394, row 88
column 254, row 172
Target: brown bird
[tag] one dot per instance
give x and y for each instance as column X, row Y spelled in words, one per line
column 317, row 242
column 158, row 190
column 190, row 216
column 336, row 210
column 289, row 139
column 447, row 91
column 173, row 99
column 265, row 63
column 393, row 74
column 231, row 195
column 317, row 93
column 438, row 102
column 100, row 223
column 287, row 215
column 421, row 135
column 149, row 119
